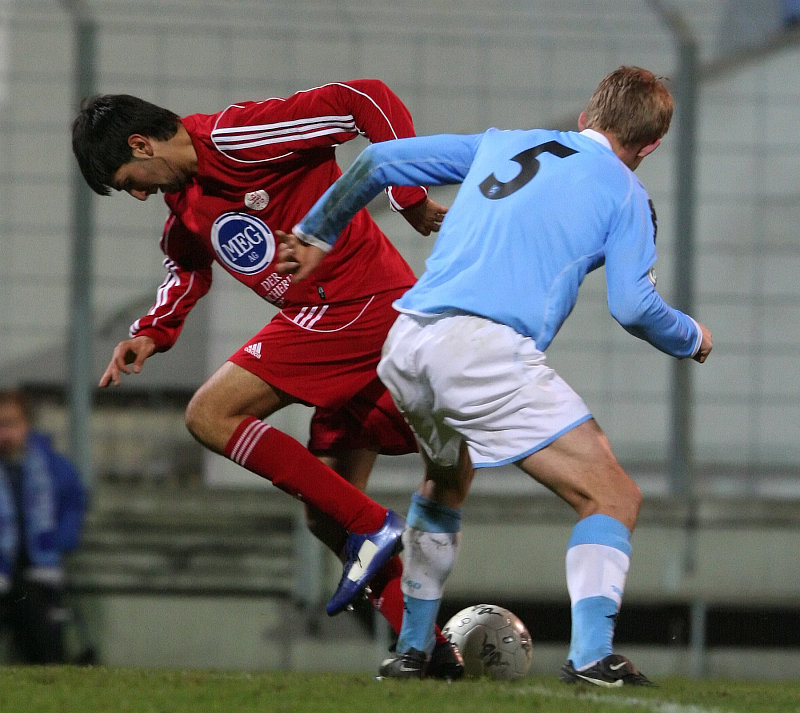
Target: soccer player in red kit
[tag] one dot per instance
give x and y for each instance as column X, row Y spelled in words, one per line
column 230, row 179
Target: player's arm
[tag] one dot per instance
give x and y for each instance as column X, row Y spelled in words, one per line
column 632, row 297
column 433, row 160
column 188, row 279
column 178, row 294
column 380, row 115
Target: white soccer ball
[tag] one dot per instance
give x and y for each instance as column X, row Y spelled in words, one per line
column 493, row 641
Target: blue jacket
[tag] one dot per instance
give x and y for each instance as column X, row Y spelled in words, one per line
column 54, row 501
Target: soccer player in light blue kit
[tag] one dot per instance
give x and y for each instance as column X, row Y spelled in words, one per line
column 537, row 210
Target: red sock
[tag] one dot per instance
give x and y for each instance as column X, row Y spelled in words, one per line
column 291, row 467
column 387, row 597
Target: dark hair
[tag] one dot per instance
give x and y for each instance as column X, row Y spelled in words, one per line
column 100, row 134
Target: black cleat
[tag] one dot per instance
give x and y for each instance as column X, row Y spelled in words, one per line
column 410, row 664
column 446, row 662
column 612, row 671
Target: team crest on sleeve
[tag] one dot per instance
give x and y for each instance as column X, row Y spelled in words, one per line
column 243, row 243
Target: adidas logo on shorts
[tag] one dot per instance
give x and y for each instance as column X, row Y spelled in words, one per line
column 254, row 349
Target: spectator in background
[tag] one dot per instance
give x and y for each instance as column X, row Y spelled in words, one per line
column 42, row 507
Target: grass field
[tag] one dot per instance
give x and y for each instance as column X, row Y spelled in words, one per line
column 111, row 690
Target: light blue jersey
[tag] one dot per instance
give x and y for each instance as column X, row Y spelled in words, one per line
column 536, row 212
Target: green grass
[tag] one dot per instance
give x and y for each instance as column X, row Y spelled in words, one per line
column 114, row 690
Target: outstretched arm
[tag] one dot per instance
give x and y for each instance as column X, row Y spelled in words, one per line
column 188, row 265
column 633, row 300
column 299, row 259
column 433, row 160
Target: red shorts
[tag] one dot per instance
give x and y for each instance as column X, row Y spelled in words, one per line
column 325, row 356
column 369, row 420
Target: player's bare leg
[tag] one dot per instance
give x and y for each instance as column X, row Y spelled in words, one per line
column 232, row 401
column 581, row 468
column 448, row 485
column 231, row 393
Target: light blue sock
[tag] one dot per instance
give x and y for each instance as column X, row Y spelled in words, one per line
column 419, row 624
column 598, row 557
column 431, row 544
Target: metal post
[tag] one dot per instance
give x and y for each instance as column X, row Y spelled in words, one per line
column 81, row 318
column 681, row 456
column 697, row 639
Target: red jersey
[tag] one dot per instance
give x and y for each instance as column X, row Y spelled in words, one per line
column 261, row 166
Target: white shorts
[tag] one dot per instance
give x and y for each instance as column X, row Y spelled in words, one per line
column 465, row 378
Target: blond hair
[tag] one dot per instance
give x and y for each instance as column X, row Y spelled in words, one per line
column 633, row 104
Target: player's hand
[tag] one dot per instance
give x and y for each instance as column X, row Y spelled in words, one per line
column 295, row 257
column 425, row 217
column 705, row 344
column 129, row 351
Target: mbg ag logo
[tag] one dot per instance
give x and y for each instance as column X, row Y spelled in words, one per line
column 243, row 242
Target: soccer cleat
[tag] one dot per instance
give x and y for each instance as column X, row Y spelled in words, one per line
column 410, row 664
column 446, row 662
column 364, row 556
column 614, row 670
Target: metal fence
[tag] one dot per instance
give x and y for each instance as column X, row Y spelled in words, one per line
column 458, row 69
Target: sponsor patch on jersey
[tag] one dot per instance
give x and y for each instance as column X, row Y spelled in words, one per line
column 243, row 242
column 256, row 200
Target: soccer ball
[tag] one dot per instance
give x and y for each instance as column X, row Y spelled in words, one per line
column 493, row 641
